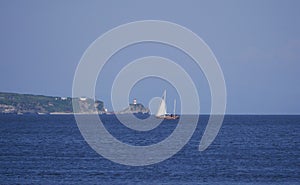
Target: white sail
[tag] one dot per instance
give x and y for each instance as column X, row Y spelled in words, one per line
column 174, row 106
column 162, row 110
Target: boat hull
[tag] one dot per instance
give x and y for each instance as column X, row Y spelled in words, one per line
column 168, row 117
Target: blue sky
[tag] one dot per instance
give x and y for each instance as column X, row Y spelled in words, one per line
column 257, row 45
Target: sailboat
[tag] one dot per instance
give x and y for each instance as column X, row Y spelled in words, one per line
column 162, row 110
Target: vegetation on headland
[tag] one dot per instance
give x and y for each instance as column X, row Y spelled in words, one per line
column 39, row 104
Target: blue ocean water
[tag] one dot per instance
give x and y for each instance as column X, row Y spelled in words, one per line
column 49, row 149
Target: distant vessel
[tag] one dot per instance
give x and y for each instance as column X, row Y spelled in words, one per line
column 162, row 110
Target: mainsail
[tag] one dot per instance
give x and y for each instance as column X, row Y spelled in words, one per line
column 174, row 106
column 162, row 110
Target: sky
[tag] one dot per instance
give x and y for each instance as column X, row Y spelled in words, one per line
column 256, row 43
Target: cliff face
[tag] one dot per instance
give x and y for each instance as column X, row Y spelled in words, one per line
column 26, row 103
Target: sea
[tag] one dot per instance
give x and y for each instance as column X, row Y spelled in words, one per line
column 249, row 149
